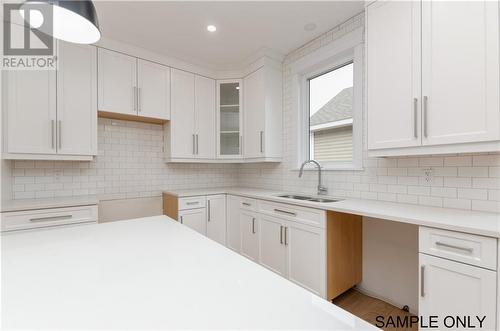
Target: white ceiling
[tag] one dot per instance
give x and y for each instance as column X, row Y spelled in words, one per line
column 244, row 29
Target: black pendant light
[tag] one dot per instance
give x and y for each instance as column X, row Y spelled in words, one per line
column 73, row 21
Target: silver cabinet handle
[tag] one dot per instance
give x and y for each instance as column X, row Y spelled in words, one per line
column 53, row 134
column 182, row 220
column 51, row 218
column 197, row 146
column 194, row 150
column 466, row 249
column 415, row 103
column 246, row 204
column 59, row 126
column 208, row 210
column 192, row 203
column 139, row 99
column 281, row 234
column 425, row 115
column 422, row 280
column 241, row 147
column 286, row 235
column 134, row 91
column 261, row 141
column 253, row 225
column 285, row 212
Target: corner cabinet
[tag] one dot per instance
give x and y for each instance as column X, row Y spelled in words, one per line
column 58, row 121
column 432, row 77
column 262, row 134
column 229, row 119
column 132, row 88
column 190, row 134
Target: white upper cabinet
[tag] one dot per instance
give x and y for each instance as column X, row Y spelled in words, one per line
column 53, row 114
column 262, row 109
column 205, row 117
column 181, row 129
column 132, row 86
column 393, row 74
column 117, row 82
column 229, row 119
column 433, row 87
column 460, row 78
column 153, row 94
column 77, row 99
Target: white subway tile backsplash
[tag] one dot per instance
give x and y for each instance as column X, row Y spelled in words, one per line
column 477, row 194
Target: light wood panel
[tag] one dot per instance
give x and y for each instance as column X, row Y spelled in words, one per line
column 126, row 117
column 369, row 308
column 170, row 206
column 344, row 252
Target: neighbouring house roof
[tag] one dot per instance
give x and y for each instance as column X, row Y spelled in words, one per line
column 338, row 108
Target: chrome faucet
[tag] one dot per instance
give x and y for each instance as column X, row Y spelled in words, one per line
column 321, row 189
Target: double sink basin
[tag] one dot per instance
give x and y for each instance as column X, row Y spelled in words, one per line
column 307, row 198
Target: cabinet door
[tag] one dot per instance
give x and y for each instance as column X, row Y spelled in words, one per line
column 31, row 111
column 441, row 280
column 233, row 223
column 196, row 219
column 182, row 118
column 460, row 80
column 393, row 74
column 205, row 117
column 216, row 218
column 272, row 249
column 229, row 119
column 77, row 99
column 306, row 256
column 153, row 98
column 117, row 74
column 254, row 116
column 249, row 235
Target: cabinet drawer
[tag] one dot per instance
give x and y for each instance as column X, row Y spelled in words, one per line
column 31, row 219
column 192, row 202
column 309, row 216
column 248, row 204
column 462, row 247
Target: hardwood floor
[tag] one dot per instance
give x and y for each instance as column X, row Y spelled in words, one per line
column 369, row 308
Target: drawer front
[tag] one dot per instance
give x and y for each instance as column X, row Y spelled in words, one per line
column 462, row 247
column 248, row 204
column 40, row 218
column 192, row 202
column 309, row 216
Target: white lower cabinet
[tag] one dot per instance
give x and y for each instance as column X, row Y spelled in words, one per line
column 272, row 244
column 216, row 218
column 449, row 288
column 233, row 234
column 249, row 226
column 195, row 219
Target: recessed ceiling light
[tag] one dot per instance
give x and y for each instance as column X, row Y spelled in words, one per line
column 237, row 87
column 211, row 28
column 310, row 26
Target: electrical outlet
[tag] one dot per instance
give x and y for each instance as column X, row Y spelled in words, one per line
column 428, row 175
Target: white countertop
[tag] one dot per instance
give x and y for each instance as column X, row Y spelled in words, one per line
column 149, row 273
column 30, row 204
column 475, row 222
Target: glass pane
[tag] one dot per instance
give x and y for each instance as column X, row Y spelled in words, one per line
column 330, row 115
column 229, row 118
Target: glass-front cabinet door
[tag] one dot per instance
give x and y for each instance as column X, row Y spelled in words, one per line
column 229, row 118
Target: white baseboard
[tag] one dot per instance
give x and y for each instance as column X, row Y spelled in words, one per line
column 381, row 297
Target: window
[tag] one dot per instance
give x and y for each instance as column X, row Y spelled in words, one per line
column 331, row 116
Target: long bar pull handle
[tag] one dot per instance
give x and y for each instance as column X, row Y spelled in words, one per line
column 286, row 235
column 466, row 249
column 285, row 212
column 53, row 134
column 197, row 145
column 182, row 220
column 139, row 99
column 253, row 225
column 134, row 99
column 194, row 148
column 246, row 204
column 261, row 142
column 422, row 280
column 51, row 218
column 59, row 126
column 281, row 234
column 415, row 103
column 241, row 147
column 425, row 115
column 208, row 210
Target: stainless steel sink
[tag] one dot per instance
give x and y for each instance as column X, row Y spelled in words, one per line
column 307, row 198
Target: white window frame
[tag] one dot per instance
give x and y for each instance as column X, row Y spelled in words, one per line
column 348, row 48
